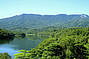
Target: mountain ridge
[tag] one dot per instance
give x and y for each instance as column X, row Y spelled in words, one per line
column 29, row 21
column 45, row 15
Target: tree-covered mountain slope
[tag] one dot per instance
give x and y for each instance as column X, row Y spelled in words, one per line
column 67, row 43
column 81, row 22
column 29, row 21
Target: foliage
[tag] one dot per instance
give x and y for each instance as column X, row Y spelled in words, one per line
column 67, row 43
column 5, row 56
column 6, row 35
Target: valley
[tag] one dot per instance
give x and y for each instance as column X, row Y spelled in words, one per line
column 32, row 36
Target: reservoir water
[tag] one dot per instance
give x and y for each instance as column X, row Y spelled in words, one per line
column 11, row 47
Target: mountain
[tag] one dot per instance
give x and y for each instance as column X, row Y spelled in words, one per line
column 30, row 21
column 82, row 21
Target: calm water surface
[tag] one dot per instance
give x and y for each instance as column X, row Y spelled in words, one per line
column 12, row 46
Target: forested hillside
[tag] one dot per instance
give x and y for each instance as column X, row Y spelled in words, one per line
column 82, row 22
column 67, row 43
column 31, row 21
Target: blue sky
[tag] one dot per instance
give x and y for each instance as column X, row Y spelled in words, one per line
column 10, row 8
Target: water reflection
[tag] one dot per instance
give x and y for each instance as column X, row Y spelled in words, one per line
column 12, row 46
column 35, row 37
column 4, row 41
column 24, row 43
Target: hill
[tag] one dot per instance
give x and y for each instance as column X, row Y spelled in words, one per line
column 30, row 21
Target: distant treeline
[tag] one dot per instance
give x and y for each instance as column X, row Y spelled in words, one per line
column 6, row 35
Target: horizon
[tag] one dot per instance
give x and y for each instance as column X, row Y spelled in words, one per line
column 42, row 14
column 43, row 7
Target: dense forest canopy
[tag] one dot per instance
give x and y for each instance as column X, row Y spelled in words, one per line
column 67, row 43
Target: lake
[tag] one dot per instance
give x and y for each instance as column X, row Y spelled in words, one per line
column 12, row 46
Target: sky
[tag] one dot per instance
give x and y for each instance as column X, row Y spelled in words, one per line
column 9, row 8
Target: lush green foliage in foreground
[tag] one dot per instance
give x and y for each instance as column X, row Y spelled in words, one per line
column 72, row 43
column 5, row 56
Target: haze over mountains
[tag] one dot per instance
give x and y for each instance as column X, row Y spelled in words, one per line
column 29, row 21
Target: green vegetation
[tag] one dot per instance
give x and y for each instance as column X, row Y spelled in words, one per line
column 67, row 43
column 19, row 34
column 41, row 33
column 6, row 35
column 82, row 22
column 58, row 43
column 25, row 22
column 5, row 56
